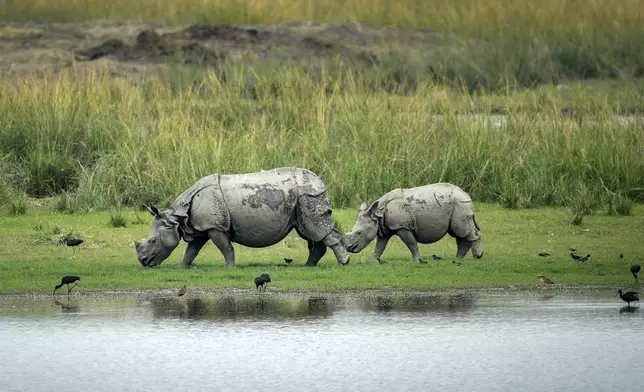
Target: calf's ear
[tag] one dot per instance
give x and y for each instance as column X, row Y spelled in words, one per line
column 152, row 209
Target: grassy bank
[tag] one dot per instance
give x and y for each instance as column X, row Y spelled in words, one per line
column 103, row 142
column 532, row 43
column 31, row 262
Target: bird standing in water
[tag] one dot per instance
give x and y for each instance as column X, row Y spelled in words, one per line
column 183, row 291
column 629, row 296
column 545, row 279
column 635, row 269
column 67, row 279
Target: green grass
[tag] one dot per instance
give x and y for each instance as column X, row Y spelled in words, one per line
column 102, row 142
column 512, row 239
column 548, row 41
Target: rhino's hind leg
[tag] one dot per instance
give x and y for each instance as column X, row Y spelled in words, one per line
column 224, row 245
column 408, row 238
column 316, row 252
column 192, row 250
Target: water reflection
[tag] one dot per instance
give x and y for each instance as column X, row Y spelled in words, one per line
column 68, row 307
column 627, row 309
column 420, row 303
column 235, row 308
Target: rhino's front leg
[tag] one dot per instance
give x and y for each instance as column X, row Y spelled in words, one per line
column 381, row 244
column 316, row 252
column 222, row 241
column 463, row 245
column 334, row 241
column 192, row 250
column 408, row 238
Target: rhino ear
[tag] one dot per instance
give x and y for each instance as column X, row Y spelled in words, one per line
column 152, row 209
column 374, row 212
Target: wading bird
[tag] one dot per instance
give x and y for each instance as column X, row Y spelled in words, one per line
column 260, row 282
column 73, row 242
column 545, row 279
column 544, row 254
column 183, row 291
column 629, row 296
column 67, row 279
column 635, row 269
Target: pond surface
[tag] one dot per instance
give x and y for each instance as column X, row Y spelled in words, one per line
column 299, row 342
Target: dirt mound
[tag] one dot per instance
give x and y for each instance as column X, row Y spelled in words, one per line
column 32, row 47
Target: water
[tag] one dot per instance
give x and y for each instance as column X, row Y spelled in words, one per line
column 414, row 342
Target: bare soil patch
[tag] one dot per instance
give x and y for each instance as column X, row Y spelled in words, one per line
column 37, row 47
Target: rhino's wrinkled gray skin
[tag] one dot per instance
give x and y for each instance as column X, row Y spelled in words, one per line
column 417, row 215
column 255, row 210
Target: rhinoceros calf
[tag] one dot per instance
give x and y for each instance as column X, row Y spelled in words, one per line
column 423, row 214
column 255, row 210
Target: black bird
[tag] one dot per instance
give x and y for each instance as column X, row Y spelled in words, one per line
column 288, row 261
column 544, row 254
column 572, row 249
column 621, row 255
column 437, row 257
column 73, row 242
column 260, row 282
column 635, row 269
column 457, row 264
column 629, row 296
column 579, row 258
column 67, row 279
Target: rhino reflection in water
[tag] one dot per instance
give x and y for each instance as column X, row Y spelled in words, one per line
column 254, row 210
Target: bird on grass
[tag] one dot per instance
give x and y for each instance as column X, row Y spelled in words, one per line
column 573, row 249
column 629, row 296
column 457, row 264
column 635, row 269
column 67, row 279
column 182, row 291
column 545, row 279
column 621, row 255
column 261, row 281
column 288, row 261
column 73, row 242
column 544, row 254
column 580, row 258
column 436, row 257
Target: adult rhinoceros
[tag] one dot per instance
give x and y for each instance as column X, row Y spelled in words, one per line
column 423, row 214
column 254, row 209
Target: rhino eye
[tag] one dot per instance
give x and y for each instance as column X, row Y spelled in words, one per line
column 359, row 232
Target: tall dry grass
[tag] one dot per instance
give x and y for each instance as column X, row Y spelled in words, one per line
column 114, row 142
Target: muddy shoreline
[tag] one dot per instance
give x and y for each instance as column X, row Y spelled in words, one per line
column 355, row 293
